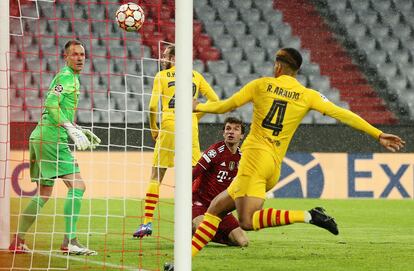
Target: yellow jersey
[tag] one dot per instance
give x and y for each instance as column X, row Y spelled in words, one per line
column 279, row 105
column 164, row 89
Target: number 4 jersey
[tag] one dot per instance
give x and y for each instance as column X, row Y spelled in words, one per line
column 214, row 172
column 279, row 105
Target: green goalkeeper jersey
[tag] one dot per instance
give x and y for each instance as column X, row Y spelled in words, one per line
column 61, row 103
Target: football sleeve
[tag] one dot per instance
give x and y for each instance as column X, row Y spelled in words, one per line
column 238, row 99
column 205, row 162
column 320, row 103
column 207, row 91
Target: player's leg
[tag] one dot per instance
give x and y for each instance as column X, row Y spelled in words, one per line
column 73, row 203
column 249, row 190
column 230, row 233
column 197, row 211
column 163, row 159
column 221, row 205
column 151, row 201
column 238, row 237
column 45, row 188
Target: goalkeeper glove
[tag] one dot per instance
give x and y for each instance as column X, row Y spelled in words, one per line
column 93, row 139
column 77, row 136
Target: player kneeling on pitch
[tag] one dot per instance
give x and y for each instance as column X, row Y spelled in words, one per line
column 213, row 173
column 51, row 157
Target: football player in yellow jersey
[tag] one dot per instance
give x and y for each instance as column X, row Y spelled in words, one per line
column 164, row 89
column 279, row 104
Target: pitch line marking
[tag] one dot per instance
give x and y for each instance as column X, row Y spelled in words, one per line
column 77, row 259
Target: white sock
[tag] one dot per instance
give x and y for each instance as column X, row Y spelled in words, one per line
column 308, row 217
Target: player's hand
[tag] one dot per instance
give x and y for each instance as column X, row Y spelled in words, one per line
column 391, row 142
column 195, row 103
column 77, row 136
column 93, row 139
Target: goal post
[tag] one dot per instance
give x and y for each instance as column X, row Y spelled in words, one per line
column 183, row 131
column 4, row 127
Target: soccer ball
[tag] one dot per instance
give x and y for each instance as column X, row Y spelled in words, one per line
column 130, row 17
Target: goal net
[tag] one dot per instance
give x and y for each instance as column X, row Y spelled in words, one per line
column 115, row 89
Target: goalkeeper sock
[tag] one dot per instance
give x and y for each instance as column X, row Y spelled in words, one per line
column 151, row 200
column 205, row 232
column 29, row 215
column 270, row 217
column 71, row 211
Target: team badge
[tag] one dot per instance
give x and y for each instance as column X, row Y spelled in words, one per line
column 232, row 165
column 58, row 89
column 211, row 153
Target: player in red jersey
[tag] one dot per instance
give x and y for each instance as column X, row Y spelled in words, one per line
column 213, row 174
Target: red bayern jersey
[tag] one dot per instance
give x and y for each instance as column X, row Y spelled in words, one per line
column 214, row 172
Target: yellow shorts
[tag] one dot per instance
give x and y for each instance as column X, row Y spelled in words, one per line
column 258, row 173
column 165, row 145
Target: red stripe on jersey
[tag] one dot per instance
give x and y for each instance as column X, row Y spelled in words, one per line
column 148, row 215
column 287, row 221
column 206, row 232
column 196, row 245
column 201, row 239
column 278, row 218
column 261, row 219
column 149, row 207
column 152, row 195
column 150, row 201
column 269, row 217
column 211, row 226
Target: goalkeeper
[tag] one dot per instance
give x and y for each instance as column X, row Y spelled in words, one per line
column 50, row 156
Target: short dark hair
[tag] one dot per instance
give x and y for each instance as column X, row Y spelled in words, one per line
column 72, row 42
column 234, row 120
column 292, row 57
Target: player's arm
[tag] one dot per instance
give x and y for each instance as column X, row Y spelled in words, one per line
column 65, row 86
column 324, row 106
column 207, row 91
column 153, row 106
column 238, row 99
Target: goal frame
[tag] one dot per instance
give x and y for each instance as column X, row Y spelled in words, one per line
column 4, row 126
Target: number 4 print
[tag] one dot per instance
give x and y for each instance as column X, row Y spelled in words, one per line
column 278, row 107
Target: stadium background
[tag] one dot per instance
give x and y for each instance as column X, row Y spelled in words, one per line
column 357, row 53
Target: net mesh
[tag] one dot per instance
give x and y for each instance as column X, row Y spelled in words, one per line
column 115, row 90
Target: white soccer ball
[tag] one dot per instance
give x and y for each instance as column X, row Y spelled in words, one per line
column 130, row 17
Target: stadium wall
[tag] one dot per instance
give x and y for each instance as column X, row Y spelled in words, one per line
column 304, row 175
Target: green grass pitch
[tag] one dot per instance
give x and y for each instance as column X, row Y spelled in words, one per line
column 374, row 235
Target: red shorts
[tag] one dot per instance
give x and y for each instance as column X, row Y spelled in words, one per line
column 228, row 224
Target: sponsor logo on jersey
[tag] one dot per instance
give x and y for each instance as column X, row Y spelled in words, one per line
column 211, row 153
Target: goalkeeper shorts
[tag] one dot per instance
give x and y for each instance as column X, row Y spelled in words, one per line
column 49, row 160
column 258, row 173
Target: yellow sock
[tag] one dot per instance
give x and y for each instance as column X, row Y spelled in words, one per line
column 205, row 232
column 270, row 217
column 151, row 200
